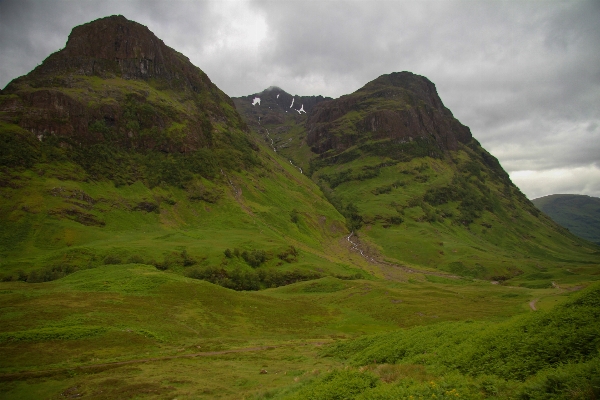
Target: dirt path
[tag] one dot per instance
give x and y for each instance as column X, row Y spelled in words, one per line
column 15, row 376
column 532, row 304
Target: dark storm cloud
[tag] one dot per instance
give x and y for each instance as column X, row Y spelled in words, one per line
column 525, row 76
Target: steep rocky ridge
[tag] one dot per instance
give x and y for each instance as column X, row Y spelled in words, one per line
column 400, row 106
column 116, row 81
column 279, row 118
column 274, row 105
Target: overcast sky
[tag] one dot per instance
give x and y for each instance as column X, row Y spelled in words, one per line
column 523, row 75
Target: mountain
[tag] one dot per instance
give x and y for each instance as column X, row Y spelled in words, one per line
column 279, row 118
column 116, row 86
column 580, row 214
column 160, row 239
column 398, row 107
column 416, row 187
column 119, row 136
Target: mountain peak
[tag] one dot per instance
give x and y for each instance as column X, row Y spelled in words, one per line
column 117, row 47
column 273, row 89
column 143, row 84
column 113, row 38
column 400, row 106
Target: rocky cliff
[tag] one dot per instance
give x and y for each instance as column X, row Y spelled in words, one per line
column 274, row 105
column 400, row 106
column 116, row 81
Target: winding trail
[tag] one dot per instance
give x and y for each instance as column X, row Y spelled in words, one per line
column 532, row 304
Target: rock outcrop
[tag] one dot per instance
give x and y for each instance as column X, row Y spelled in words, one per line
column 275, row 106
column 115, row 80
column 400, row 106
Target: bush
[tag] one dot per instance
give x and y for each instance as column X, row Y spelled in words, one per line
column 295, row 216
column 289, row 255
column 112, row 259
column 254, row 258
column 354, row 220
column 339, row 384
column 240, row 279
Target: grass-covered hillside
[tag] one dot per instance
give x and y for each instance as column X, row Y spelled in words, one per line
column 580, row 214
column 546, row 355
column 154, row 245
column 418, row 190
column 116, row 164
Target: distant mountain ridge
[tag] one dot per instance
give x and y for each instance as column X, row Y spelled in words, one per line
column 271, row 105
column 580, row 214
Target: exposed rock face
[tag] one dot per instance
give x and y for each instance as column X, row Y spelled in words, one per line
column 115, row 46
column 276, row 105
column 400, row 106
column 82, row 92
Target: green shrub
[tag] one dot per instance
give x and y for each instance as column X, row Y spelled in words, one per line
column 294, row 216
column 339, row 384
column 244, row 279
column 515, row 349
column 254, row 258
column 112, row 259
column 289, row 255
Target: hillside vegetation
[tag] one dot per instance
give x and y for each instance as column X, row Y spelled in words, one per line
column 418, row 190
column 157, row 244
column 551, row 355
column 578, row 213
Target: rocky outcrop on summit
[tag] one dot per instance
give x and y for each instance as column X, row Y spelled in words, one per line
column 117, row 47
column 400, row 106
column 116, row 81
column 275, row 106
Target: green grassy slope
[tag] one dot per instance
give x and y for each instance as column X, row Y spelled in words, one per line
column 152, row 247
column 578, row 213
column 540, row 355
column 74, row 327
column 57, row 219
column 123, row 163
column 419, row 204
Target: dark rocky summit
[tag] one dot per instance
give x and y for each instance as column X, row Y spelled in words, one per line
column 400, row 106
column 116, row 81
column 275, row 106
column 116, row 47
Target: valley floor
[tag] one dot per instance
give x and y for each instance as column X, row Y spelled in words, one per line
column 132, row 331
